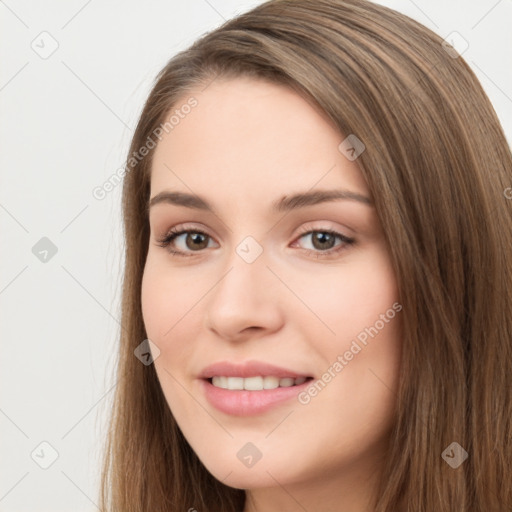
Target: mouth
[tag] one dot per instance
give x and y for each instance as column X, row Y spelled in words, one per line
column 251, row 387
column 248, row 396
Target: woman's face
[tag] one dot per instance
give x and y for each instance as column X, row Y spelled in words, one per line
column 270, row 285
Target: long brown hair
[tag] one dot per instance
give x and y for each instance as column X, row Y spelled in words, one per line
column 438, row 167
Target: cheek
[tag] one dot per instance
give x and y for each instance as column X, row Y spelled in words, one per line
column 167, row 296
column 164, row 307
column 348, row 299
column 361, row 342
column 170, row 303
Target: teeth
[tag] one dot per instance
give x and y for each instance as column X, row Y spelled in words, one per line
column 235, row 383
column 255, row 383
column 268, row 382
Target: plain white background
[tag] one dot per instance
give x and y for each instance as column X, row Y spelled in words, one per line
column 66, row 122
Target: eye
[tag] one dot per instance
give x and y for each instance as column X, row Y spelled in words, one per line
column 195, row 239
column 322, row 241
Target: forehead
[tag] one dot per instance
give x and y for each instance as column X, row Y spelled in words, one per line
column 254, row 141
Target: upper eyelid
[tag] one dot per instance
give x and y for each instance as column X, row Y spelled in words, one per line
column 184, row 227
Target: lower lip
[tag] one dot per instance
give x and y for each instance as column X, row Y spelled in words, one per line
column 248, row 403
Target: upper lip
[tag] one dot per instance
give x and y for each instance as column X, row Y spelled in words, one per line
column 248, row 369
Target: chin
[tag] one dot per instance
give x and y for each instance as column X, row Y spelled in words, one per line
column 234, row 473
column 246, row 478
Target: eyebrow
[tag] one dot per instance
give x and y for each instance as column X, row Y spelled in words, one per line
column 285, row 204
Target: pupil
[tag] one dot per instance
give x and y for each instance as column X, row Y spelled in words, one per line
column 323, row 238
column 196, row 237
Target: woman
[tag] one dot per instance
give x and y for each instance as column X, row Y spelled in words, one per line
column 318, row 286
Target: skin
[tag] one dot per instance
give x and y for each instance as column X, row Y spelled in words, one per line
column 246, row 144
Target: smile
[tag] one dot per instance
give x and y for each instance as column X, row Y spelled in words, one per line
column 250, row 402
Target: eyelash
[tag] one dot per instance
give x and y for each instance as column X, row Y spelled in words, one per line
column 165, row 242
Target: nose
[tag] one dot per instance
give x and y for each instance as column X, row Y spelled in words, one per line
column 246, row 301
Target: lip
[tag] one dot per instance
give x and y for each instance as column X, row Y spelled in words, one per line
column 249, row 403
column 245, row 402
column 248, row 369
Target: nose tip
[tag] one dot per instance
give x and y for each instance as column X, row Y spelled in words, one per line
column 243, row 303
